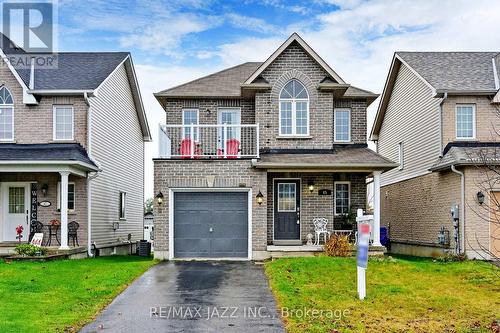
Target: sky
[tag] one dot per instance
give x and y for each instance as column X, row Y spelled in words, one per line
column 175, row 41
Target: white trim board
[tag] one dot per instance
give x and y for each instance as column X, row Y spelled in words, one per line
column 171, row 193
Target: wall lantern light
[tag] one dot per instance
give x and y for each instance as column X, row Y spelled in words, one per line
column 260, row 198
column 159, row 198
column 45, row 189
column 480, row 197
column 310, row 186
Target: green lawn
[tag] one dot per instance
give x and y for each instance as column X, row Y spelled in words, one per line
column 59, row 296
column 403, row 295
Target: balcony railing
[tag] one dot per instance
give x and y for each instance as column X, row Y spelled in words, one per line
column 209, row 141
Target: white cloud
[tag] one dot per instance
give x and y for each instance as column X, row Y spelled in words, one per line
column 165, row 35
column 251, row 23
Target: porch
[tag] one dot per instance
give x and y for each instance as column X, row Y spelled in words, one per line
column 44, row 192
column 304, row 189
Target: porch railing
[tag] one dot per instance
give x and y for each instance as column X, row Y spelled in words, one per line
column 221, row 141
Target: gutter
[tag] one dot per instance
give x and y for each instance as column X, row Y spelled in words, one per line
column 441, row 124
column 90, row 178
column 461, row 225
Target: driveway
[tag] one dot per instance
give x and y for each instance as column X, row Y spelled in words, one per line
column 194, row 297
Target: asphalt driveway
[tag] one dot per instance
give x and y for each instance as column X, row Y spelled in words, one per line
column 194, row 297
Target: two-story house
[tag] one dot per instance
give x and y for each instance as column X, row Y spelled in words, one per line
column 71, row 149
column 250, row 155
column 439, row 117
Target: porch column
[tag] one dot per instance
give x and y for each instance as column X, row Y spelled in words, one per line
column 376, row 208
column 64, row 210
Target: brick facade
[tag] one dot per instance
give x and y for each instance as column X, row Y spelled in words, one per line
column 415, row 209
column 487, row 118
column 193, row 174
column 314, row 205
column 34, row 123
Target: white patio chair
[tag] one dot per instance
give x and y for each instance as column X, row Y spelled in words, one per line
column 320, row 229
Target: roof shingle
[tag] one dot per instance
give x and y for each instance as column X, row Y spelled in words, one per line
column 455, row 71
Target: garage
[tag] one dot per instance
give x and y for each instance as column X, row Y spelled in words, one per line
column 210, row 224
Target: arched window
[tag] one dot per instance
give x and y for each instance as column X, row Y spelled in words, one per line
column 6, row 115
column 294, row 109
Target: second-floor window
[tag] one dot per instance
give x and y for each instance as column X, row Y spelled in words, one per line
column 294, row 110
column 63, row 122
column 465, row 121
column 6, row 115
column 342, row 125
column 190, row 117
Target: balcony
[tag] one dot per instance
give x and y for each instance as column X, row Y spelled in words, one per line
column 209, row 141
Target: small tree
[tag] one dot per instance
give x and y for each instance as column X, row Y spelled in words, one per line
column 148, row 206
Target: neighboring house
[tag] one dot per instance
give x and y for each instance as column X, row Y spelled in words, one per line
column 439, row 118
column 72, row 148
column 250, row 155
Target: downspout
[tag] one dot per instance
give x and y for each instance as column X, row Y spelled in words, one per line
column 89, row 178
column 461, row 226
column 441, row 124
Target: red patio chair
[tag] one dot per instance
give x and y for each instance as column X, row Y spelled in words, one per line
column 185, row 150
column 232, row 149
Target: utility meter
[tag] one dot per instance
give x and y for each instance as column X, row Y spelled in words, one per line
column 454, row 212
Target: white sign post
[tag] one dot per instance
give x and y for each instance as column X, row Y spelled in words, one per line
column 362, row 263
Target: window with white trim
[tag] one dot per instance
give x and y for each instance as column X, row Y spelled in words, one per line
column 465, row 121
column 294, row 109
column 342, row 197
column 6, row 115
column 190, row 117
column 63, row 122
column 123, row 204
column 71, row 196
column 401, row 155
column 342, row 125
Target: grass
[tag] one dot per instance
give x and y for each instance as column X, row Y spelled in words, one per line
column 61, row 296
column 403, row 295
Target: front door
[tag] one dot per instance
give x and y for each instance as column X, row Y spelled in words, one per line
column 286, row 209
column 15, row 207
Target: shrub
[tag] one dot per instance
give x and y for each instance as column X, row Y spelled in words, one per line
column 28, row 250
column 338, row 246
column 450, row 257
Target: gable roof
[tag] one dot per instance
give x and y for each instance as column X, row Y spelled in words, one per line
column 454, row 71
column 75, row 73
column 295, row 38
column 231, row 82
column 225, row 83
column 73, row 70
column 459, row 73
